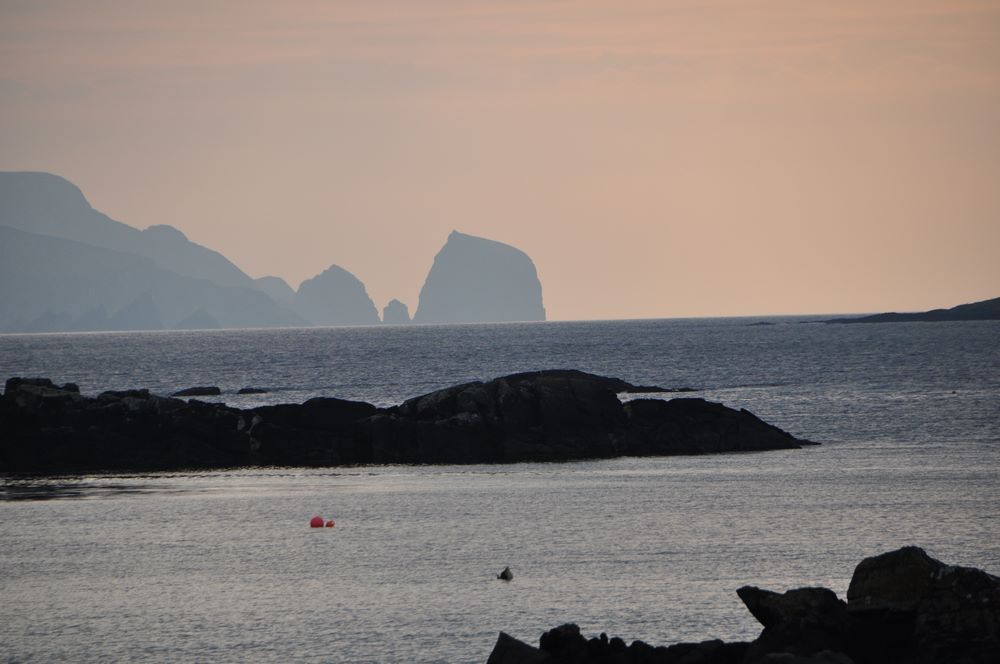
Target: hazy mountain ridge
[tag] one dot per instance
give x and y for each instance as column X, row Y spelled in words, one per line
column 68, row 267
column 50, row 205
column 50, row 284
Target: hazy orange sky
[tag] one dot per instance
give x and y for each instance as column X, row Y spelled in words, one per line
column 655, row 159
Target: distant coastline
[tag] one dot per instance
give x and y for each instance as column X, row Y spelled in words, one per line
column 983, row 310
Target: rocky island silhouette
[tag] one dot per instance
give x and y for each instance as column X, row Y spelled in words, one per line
column 983, row 310
column 65, row 266
column 555, row 415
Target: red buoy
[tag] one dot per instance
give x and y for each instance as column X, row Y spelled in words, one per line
column 316, row 522
column 330, row 524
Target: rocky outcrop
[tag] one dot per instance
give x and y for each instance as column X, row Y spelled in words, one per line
column 802, row 622
column 912, row 607
column 566, row 645
column 395, row 313
column 902, row 607
column 48, row 428
column 476, row 280
column 557, row 416
column 199, row 391
column 536, row 416
column 984, row 310
column 336, row 297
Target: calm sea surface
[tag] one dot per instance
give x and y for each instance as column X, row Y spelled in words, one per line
column 221, row 566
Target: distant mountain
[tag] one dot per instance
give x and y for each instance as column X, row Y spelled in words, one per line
column 336, row 297
column 50, row 284
column 985, row 310
column 50, row 205
column 66, row 267
column 478, row 280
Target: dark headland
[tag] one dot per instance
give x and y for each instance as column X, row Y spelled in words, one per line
column 984, row 310
column 903, row 607
column 556, row 415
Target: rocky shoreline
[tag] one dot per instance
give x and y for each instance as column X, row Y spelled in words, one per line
column 556, row 415
column 903, row 607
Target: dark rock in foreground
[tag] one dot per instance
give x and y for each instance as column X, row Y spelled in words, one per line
column 537, row 416
column 984, row 310
column 903, row 607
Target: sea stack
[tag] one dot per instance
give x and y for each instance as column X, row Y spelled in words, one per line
column 396, row 313
column 475, row 280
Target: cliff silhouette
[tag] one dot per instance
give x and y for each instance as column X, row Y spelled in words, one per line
column 477, row 280
column 65, row 266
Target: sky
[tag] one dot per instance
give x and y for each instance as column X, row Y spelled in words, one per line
column 655, row 159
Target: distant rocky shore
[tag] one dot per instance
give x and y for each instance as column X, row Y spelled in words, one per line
column 554, row 415
column 903, row 607
column 984, row 310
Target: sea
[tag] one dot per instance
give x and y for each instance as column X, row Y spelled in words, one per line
column 222, row 565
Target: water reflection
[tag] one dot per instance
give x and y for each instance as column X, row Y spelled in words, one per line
column 49, row 489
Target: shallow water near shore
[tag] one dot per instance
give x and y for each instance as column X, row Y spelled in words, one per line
column 222, row 565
